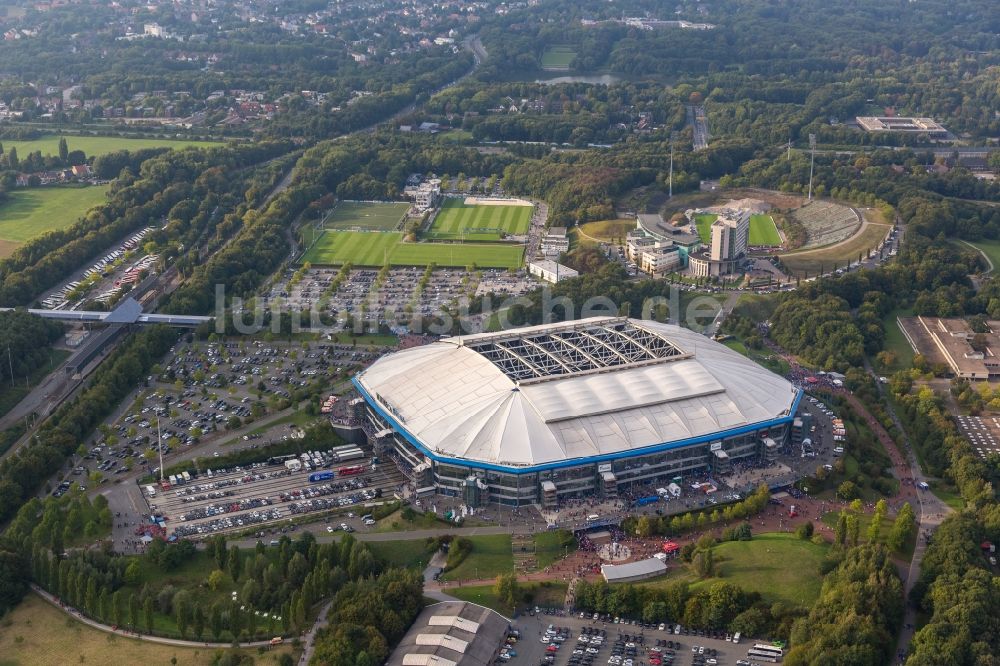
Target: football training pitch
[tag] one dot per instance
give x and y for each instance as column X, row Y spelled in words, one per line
column 458, row 220
column 99, row 145
column 558, row 57
column 31, row 212
column 356, row 214
column 375, row 249
column 762, row 229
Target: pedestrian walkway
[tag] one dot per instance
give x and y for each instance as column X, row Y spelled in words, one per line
column 77, row 615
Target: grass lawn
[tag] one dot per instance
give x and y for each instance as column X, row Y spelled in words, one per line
column 299, row 418
column 98, row 145
column 703, row 221
column 763, row 231
column 948, row 496
column 772, row 362
column 830, row 519
column 29, row 213
column 491, row 555
column 378, row 216
column 395, row 522
column 553, row 545
column 456, row 220
column 778, row 566
column 836, row 256
column 606, row 230
column 558, row 57
column 737, row 346
column 36, row 633
column 991, row 248
column 546, row 595
column 11, row 395
column 374, row 249
column 895, row 341
column 404, row 553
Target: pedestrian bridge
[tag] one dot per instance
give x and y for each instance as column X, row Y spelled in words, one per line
column 127, row 312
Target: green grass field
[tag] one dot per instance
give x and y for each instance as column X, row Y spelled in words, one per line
column 546, row 595
column 558, row 57
column 404, row 553
column 762, row 229
column 35, row 633
column 991, row 248
column 948, row 496
column 551, row 546
column 98, row 145
column 374, row 249
column 895, row 341
column 378, row 216
column 703, row 221
column 607, row 231
column 491, row 555
column 29, row 213
column 456, row 220
column 762, row 565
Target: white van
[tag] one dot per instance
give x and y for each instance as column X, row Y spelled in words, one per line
column 592, row 517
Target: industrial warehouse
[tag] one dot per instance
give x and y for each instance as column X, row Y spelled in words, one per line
column 545, row 413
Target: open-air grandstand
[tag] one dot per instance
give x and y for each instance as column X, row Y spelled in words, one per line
column 826, row 223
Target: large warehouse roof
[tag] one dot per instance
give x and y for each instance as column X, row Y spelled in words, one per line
column 553, row 393
column 451, row 633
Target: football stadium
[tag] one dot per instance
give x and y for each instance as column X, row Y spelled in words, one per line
column 577, row 409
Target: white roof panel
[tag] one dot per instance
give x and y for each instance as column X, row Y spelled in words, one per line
column 459, row 403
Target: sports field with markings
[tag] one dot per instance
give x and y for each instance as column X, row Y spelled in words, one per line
column 762, row 228
column 364, row 215
column 459, row 220
column 376, row 249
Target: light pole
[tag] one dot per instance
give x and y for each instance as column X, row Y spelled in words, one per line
column 812, row 161
column 673, row 135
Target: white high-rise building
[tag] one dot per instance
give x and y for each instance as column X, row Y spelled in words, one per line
column 730, row 235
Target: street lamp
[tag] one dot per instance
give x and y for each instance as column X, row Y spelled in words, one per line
column 812, row 161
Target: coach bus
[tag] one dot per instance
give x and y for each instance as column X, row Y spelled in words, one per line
column 350, row 471
column 766, row 653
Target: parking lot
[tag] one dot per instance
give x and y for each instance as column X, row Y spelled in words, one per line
column 403, row 294
column 206, row 390
column 983, row 433
column 588, row 642
column 265, row 494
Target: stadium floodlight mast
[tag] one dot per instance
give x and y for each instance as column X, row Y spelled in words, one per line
column 812, row 161
column 673, row 135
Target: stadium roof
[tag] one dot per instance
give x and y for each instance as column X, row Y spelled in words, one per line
column 551, row 395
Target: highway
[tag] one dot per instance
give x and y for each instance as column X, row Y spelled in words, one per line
column 699, row 126
column 46, row 397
